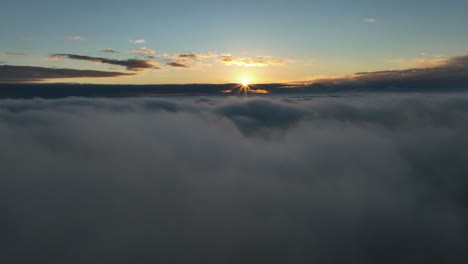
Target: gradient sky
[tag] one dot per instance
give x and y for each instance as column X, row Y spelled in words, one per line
column 264, row 41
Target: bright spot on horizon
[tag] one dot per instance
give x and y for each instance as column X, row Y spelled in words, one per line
column 245, row 82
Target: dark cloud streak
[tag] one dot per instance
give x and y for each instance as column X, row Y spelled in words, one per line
column 10, row 73
column 177, row 65
column 13, row 53
column 130, row 64
column 109, row 50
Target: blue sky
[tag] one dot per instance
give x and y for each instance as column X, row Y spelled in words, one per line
column 311, row 37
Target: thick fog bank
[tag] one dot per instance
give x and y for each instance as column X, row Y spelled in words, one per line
column 362, row 179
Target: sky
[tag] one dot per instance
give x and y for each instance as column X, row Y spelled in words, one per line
column 155, row 42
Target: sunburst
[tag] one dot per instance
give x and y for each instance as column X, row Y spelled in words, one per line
column 245, row 88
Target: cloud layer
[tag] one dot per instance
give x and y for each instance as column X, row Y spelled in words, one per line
column 370, row 179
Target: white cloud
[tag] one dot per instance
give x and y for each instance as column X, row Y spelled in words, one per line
column 259, row 61
column 370, row 20
column 75, row 38
column 138, row 41
column 143, row 51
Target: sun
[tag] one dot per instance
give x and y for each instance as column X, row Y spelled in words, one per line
column 245, row 82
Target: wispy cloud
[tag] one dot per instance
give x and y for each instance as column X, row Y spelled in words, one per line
column 187, row 56
column 109, row 50
column 188, row 60
column 10, row 73
column 207, row 55
column 75, row 38
column 143, row 51
column 259, row 61
column 424, row 62
column 191, row 56
column 13, row 53
column 138, row 41
column 370, row 20
column 177, row 65
column 130, row 64
column 432, row 55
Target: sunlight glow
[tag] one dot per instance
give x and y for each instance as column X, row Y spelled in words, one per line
column 245, row 82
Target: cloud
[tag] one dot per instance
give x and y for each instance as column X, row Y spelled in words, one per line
column 13, row 53
column 207, row 55
column 370, row 20
column 432, row 55
column 438, row 73
column 259, row 61
column 109, row 50
column 138, row 41
column 130, row 64
column 144, row 51
column 75, row 38
column 10, row 73
column 187, row 56
column 191, row 57
column 424, row 62
column 362, row 179
column 177, row 65
column 188, row 60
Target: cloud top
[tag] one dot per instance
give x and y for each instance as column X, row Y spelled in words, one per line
column 367, row 179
